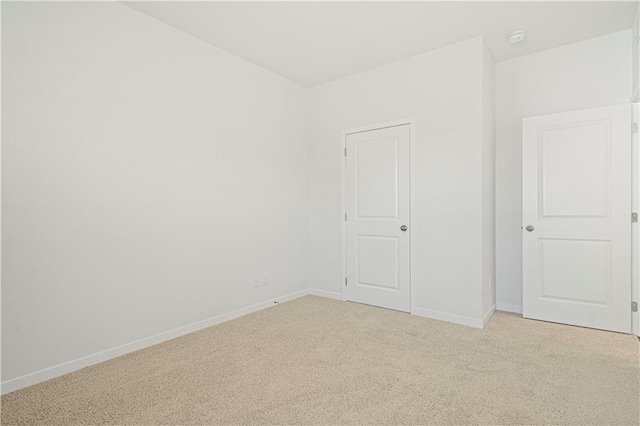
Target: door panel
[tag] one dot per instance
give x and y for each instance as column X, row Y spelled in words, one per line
column 377, row 261
column 574, row 186
column 377, row 179
column 378, row 251
column 591, row 283
column 577, row 218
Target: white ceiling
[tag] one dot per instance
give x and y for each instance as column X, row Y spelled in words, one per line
column 316, row 42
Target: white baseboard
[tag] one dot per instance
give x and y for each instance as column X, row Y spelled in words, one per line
column 77, row 364
column 426, row 313
column 456, row 319
column 508, row 307
column 327, row 294
column 488, row 315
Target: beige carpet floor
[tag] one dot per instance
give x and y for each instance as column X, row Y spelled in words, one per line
column 320, row 361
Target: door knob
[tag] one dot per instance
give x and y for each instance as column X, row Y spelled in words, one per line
column 403, row 228
column 529, row 228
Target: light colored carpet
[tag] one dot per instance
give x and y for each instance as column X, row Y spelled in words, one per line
column 320, row 361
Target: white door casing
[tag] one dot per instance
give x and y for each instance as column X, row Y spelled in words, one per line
column 577, row 218
column 635, row 232
column 377, row 208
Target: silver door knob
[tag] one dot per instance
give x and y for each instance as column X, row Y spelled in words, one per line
column 403, row 228
column 529, row 228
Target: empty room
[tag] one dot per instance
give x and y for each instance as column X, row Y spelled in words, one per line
column 320, row 213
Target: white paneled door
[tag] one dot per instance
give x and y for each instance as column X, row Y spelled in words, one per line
column 378, row 210
column 577, row 218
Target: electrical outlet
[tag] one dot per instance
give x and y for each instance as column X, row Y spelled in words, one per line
column 256, row 281
column 265, row 279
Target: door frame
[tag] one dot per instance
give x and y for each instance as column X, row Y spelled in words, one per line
column 635, row 207
column 410, row 121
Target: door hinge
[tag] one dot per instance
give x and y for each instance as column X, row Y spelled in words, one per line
column 345, row 217
column 634, row 306
column 345, row 281
column 635, row 127
column 345, row 152
column 634, row 217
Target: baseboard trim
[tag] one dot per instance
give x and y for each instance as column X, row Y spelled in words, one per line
column 444, row 316
column 488, row 315
column 327, row 294
column 508, row 307
column 426, row 313
column 86, row 361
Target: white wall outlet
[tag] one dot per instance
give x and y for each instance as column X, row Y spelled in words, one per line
column 256, row 281
column 265, row 279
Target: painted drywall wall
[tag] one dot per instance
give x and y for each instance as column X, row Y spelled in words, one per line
column 146, row 177
column 442, row 91
column 488, row 183
column 582, row 75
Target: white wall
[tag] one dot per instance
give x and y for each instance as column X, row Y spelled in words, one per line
column 582, row 75
column 442, row 90
column 488, row 183
column 146, row 177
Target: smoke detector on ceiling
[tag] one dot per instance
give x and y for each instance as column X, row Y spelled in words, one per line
column 516, row 37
